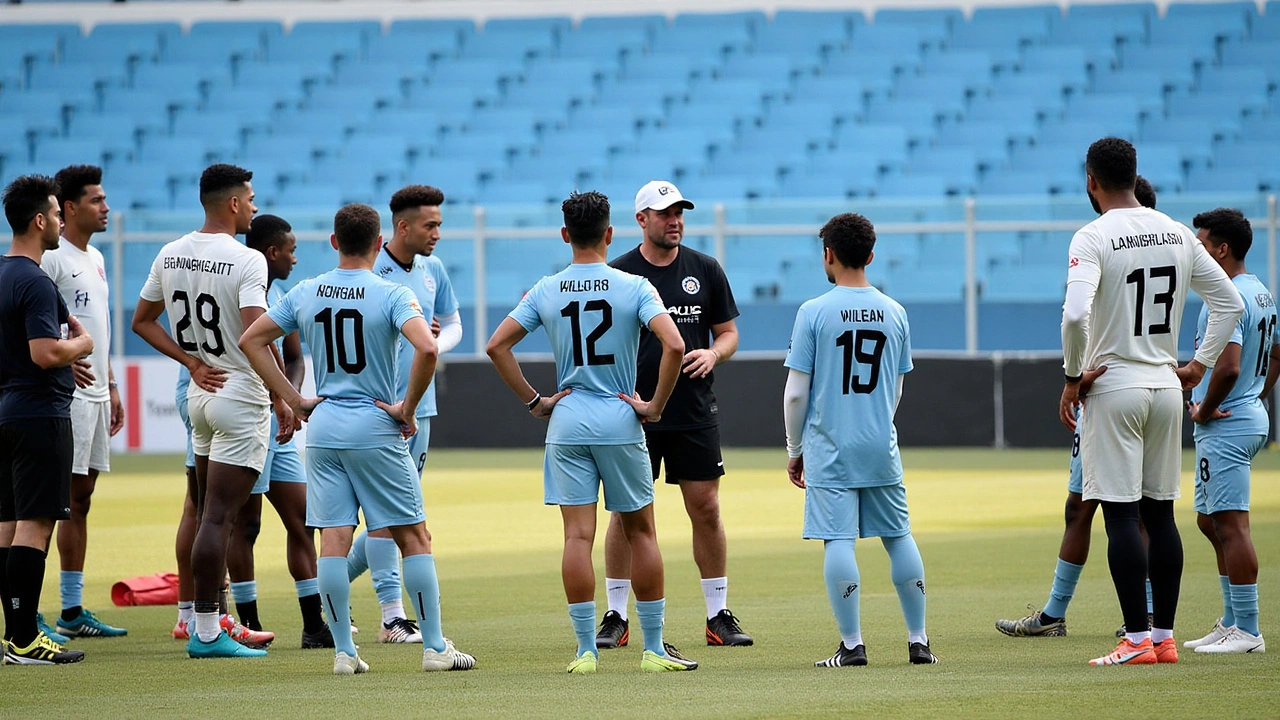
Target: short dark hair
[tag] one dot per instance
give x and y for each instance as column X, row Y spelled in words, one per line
column 217, row 179
column 356, row 227
column 586, row 217
column 851, row 237
column 1145, row 194
column 412, row 197
column 267, row 231
column 1227, row 225
column 1113, row 163
column 25, row 198
column 73, row 179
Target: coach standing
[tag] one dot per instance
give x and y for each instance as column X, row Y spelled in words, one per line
column 696, row 292
column 35, row 415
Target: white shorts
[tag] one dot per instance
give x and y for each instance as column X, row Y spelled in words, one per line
column 1132, row 445
column 91, row 433
column 230, row 432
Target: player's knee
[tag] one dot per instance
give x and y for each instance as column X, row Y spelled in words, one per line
column 1206, row 525
column 249, row 530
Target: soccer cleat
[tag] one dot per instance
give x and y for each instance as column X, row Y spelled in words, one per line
column 845, row 657
column 1121, row 631
column 584, row 664
column 221, row 647
column 449, row 659
column 1218, row 632
column 399, row 630
column 723, row 629
column 671, row 661
column 88, row 625
column 1166, row 651
column 344, row 664
column 1236, row 642
column 1032, row 626
column 920, row 654
column 255, row 639
column 52, row 634
column 614, row 631
column 1126, row 653
column 322, row 638
column 41, row 651
column 181, row 631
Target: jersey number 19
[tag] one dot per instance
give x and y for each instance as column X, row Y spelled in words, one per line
column 852, row 343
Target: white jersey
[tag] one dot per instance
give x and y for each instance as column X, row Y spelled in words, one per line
column 204, row 280
column 1133, row 267
column 81, row 277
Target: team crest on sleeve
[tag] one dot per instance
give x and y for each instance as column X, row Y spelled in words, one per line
column 1075, row 261
column 691, row 285
column 414, row 304
column 102, row 273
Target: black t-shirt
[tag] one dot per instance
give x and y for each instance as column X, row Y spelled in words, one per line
column 697, row 294
column 30, row 308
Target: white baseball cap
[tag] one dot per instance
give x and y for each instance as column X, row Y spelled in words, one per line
column 660, row 195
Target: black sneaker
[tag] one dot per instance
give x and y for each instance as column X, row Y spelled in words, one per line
column 322, row 638
column 41, row 651
column 1121, row 632
column 723, row 629
column 920, row 654
column 614, row 632
column 845, row 657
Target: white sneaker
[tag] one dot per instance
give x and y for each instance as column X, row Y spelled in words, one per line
column 399, row 630
column 450, row 659
column 1218, row 632
column 344, row 664
column 1237, row 641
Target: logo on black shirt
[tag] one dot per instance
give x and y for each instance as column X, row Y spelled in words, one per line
column 691, row 285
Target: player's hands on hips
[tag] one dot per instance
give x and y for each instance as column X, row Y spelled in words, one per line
column 408, row 423
column 1087, row 378
column 209, row 379
column 795, row 471
column 698, row 363
column 1190, row 374
column 117, row 412
column 83, row 373
column 543, row 409
column 645, row 410
column 286, row 421
column 1200, row 418
column 1068, row 404
column 305, row 407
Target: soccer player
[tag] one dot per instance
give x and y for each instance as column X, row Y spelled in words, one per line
column 849, row 351
column 36, row 388
column 687, row 439
column 407, row 260
column 77, row 268
column 283, row 480
column 1231, row 426
column 349, row 318
column 212, row 288
column 593, row 315
column 1127, row 280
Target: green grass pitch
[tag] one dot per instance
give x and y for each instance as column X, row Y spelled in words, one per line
column 988, row 525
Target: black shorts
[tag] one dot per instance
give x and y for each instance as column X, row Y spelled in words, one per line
column 35, row 469
column 688, row 454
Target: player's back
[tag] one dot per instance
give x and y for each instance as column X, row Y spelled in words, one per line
column 1255, row 333
column 350, row 321
column 204, row 280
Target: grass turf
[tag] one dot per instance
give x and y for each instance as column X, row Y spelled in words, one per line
column 988, row 525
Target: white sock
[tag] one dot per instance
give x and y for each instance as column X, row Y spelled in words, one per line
column 619, row 591
column 185, row 613
column 207, row 628
column 392, row 610
column 1138, row 637
column 851, row 641
column 716, row 592
column 1158, row 635
column 919, row 637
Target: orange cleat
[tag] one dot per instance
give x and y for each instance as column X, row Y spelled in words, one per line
column 256, row 639
column 1126, row 653
column 180, row 631
column 1166, row 651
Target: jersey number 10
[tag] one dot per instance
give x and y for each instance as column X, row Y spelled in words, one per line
column 852, row 343
column 335, row 339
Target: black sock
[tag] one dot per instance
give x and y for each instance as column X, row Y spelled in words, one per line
column 248, row 612
column 4, row 591
column 1048, row 619
column 203, row 607
column 71, row 613
column 26, row 579
column 1128, row 560
column 312, row 615
column 1164, row 563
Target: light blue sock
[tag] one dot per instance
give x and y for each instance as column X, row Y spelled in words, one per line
column 335, row 591
column 424, row 590
column 384, row 568
column 357, row 562
column 907, row 571
column 583, row 617
column 1244, row 603
column 1228, row 612
column 72, row 586
column 651, row 614
column 840, row 569
column 307, row 588
column 1065, row 577
column 243, row 592
column 1150, row 607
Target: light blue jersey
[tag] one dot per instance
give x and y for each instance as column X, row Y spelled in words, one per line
column 429, row 281
column 349, row 319
column 593, row 315
column 854, row 343
column 1255, row 333
column 274, row 296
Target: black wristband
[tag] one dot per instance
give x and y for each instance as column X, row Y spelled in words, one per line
column 537, row 397
column 1075, row 379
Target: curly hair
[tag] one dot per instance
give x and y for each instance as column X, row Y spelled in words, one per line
column 25, row 198
column 851, row 237
column 586, row 217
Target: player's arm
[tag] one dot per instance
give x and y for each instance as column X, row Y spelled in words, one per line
column 449, row 333
column 421, row 371
column 724, row 343
column 1084, row 271
column 795, row 409
column 501, row 352
column 664, row 328
column 40, row 305
column 1225, row 374
column 295, row 368
column 1211, row 283
column 146, row 325
column 51, row 352
column 255, row 343
column 1273, row 371
column 117, row 407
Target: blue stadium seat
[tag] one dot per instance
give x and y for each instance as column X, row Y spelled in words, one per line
column 553, row 26
column 117, row 132
column 528, row 192
column 1019, row 284
column 1178, row 130
column 926, row 284
column 972, row 64
column 139, row 186
column 609, row 49
column 920, row 118
column 750, row 19
column 1069, row 64
column 949, row 92
column 1014, row 182
column 509, row 46
column 1175, row 64
column 462, row 97
column 458, row 30
column 875, row 71
column 1044, row 92
column 1261, row 156
column 889, row 141
column 1084, row 132
column 1103, row 107
column 53, row 153
column 914, row 186
column 213, row 50
column 1090, row 32
column 222, row 128
column 800, row 32
column 165, row 33
column 109, row 50
column 1262, row 55
column 1258, row 129
column 1210, row 28
column 1147, row 89
column 773, row 71
column 1019, row 116
column 82, row 78
column 177, row 153
column 414, row 49
column 887, row 38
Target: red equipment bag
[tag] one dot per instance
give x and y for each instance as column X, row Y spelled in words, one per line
column 158, row 589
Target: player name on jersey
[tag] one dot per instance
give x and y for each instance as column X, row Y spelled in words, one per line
column 1264, row 300
column 1140, row 241
column 862, row 315
column 339, row 292
column 576, row 286
column 198, row 265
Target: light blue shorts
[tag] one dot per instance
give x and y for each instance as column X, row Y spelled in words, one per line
column 418, row 444
column 1222, row 472
column 573, row 474
column 284, row 463
column 378, row 480
column 852, row 513
column 1076, row 483
column 181, row 400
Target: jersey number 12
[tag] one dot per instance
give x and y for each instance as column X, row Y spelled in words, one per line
column 573, row 311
